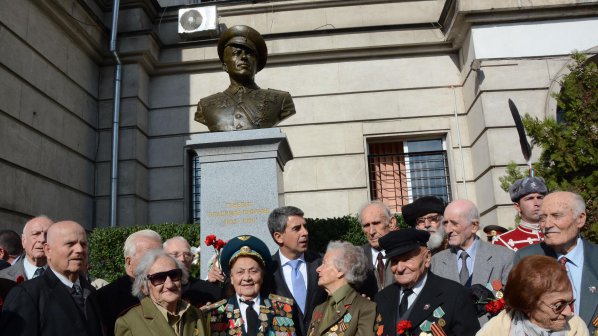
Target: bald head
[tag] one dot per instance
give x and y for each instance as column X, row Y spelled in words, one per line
column 461, row 222
column 66, row 249
column 34, row 238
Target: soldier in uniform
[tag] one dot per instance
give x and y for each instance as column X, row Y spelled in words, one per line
column 243, row 105
column 251, row 310
column 527, row 195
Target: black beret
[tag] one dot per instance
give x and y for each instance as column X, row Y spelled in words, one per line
column 244, row 246
column 421, row 207
column 526, row 186
column 396, row 243
column 245, row 36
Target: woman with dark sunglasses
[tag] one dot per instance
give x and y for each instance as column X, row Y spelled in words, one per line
column 158, row 279
column 539, row 301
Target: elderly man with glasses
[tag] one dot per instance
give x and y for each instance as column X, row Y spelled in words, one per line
column 425, row 213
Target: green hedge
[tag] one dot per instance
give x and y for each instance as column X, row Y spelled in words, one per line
column 106, row 244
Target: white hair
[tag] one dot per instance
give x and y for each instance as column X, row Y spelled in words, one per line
column 129, row 247
column 179, row 238
column 139, row 288
column 351, row 261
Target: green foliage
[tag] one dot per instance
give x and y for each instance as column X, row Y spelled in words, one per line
column 106, row 246
column 514, row 173
column 569, row 159
column 347, row 228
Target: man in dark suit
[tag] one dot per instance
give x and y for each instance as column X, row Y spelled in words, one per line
column 197, row 292
column 116, row 298
column 58, row 302
column 562, row 216
column 293, row 265
column 432, row 304
column 33, row 264
column 376, row 221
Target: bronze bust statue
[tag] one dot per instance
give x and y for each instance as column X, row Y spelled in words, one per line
column 243, row 105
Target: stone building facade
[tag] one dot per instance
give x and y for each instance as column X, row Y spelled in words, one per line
column 364, row 75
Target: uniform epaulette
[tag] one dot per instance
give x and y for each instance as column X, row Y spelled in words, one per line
column 213, row 305
column 279, row 298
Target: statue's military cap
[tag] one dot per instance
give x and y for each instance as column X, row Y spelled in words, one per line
column 244, row 246
column 526, row 186
column 247, row 37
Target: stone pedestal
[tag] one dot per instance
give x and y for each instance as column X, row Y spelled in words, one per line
column 241, row 183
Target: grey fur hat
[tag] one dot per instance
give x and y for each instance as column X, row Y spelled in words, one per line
column 526, row 186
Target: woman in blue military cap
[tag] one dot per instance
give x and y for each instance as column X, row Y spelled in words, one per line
column 250, row 310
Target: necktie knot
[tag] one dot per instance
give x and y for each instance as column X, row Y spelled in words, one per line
column 464, row 255
column 250, row 303
column 38, row 272
column 76, row 289
column 404, row 304
column 295, row 264
column 563, row 262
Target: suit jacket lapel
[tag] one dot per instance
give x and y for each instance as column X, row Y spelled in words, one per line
column 589, row 279
column 450, row 265
column 426, row 302
column 154, row 318
column 483, row 266
column 62, row 298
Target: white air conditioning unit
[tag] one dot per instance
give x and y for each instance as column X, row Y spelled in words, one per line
column 198, row 22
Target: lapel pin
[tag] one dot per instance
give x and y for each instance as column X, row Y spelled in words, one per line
column 592, row 289
column 426, row 306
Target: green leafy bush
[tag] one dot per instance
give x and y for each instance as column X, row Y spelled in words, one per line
column 106, row 246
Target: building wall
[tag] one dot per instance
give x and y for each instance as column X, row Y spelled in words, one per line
column 49, row 78
column 357, row 71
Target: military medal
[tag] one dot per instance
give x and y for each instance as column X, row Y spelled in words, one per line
column 437, row 330
column 441, row 322
column 425, row 326
column 499, row 295
column 438, row 312
column 424, row 334
column 334, row 328
column 496, row 285
column 263, row 317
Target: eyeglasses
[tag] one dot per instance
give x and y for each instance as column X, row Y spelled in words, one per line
column 433, row 219
column 558, row 307
column 159, row 278
column 185, row 255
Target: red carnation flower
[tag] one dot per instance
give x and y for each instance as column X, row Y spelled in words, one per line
column 219, row 244
column 20, row 279
column 403, row 326
column 210, row 239
column 494, row 307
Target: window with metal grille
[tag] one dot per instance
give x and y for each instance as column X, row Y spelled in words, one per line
column 195, row 188
column 402, row 171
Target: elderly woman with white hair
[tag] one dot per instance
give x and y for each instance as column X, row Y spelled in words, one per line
column 158, row 279
column 345, row 312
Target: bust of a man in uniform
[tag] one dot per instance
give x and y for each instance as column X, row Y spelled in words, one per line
column 243, row 105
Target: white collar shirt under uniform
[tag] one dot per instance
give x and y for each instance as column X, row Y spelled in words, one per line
column 243, row 307
column 375, row 257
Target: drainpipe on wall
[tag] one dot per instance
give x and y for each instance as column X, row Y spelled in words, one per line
column 116, row 117
column 459, row 142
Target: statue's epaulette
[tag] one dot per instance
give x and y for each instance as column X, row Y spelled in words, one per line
column 277, row 91
column 215, row 97
column 278, row 298
column 212, row 306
